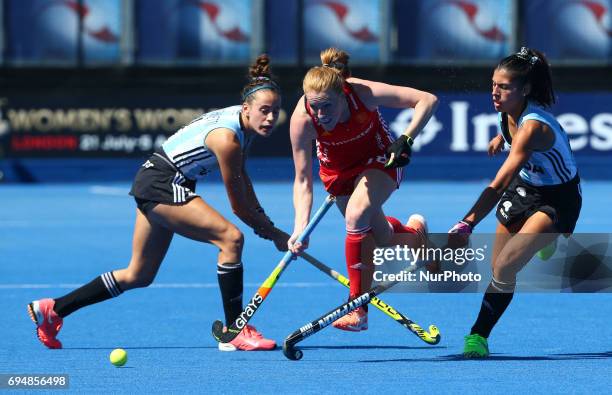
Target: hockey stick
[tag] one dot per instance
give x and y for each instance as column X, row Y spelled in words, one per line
column 431, row 337
column 263, row 291
column 325, row 320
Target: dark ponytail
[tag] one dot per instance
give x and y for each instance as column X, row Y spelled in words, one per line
column 260, row 78
column 530, row 66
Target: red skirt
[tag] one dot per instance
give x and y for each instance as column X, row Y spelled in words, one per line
column 342, row 182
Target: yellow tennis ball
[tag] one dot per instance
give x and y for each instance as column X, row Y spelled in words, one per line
column 118, row 357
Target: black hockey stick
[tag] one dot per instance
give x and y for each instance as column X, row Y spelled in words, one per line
column 431, row 337
column 325, row 320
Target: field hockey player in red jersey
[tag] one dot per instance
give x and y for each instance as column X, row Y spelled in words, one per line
column 360, row 162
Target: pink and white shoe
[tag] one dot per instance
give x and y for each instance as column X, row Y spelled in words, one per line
column 355, row 321
column 48, row 323
column 419, row 224
column 249, row 339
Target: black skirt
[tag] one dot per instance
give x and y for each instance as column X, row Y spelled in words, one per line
column 562, row 203
column 158, row 181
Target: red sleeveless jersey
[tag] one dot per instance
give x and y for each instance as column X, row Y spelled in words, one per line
column 352, row 143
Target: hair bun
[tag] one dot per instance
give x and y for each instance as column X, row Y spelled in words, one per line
column 261, row 67
column 335, row 65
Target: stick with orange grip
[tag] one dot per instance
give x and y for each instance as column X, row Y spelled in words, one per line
column 234, row 330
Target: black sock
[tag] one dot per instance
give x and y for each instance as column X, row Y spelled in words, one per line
column 496, row 299
column 98, row 290
column 230, row 283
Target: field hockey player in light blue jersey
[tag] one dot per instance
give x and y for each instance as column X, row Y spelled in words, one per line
column 537, row 189
column 164, row 190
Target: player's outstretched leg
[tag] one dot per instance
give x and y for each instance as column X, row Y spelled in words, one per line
column 48, row 314
column 48, row 323
column 249, row 339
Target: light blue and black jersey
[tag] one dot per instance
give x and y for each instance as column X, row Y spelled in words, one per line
column 552, row 167
column 187, row 147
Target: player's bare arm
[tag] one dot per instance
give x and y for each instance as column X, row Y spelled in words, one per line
column 522, row 146
column 376, row 94
column 302, row 135
column 226, row 147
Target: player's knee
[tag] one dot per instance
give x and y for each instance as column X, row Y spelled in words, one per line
column 137, row 279
column 144, row 281
column 355, row 218
column 507, row 258
column 233, row 240
column 504, row 267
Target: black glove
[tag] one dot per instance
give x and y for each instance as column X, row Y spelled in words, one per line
column 399, row 152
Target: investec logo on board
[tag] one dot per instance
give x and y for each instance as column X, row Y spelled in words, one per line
column 471, row 132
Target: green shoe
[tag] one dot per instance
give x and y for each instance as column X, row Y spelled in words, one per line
column 545, row 253
column 475, row 347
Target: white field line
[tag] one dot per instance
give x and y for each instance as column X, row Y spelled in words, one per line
column 169, row 285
